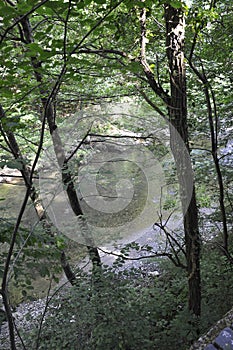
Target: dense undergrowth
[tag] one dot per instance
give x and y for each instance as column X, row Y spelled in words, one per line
column 131, row 311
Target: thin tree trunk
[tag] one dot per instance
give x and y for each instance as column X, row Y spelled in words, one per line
column 213, row 125
column 40, row 211
column 177, row 109
column 48, row 107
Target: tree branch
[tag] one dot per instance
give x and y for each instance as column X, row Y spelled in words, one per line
column 156, row 87
column 127, row 258
column 18, row 20
column 101, row 20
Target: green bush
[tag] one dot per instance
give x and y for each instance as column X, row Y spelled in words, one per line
column 126, row 311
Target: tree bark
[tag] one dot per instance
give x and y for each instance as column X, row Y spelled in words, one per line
column 177, row 110
column 176, row 104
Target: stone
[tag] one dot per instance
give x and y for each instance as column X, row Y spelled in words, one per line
column 2, row 316
column 225, row 339
column 210, row 347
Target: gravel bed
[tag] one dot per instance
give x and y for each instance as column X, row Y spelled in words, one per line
column 28, row 315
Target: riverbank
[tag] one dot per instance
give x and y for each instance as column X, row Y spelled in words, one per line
column 30, row 315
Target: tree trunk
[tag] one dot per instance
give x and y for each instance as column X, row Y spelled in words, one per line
column 49, row 115
column 177, row 110
column 40, row 211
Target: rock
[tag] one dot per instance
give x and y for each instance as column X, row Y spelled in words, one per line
column 8, row 175
column 2, row 318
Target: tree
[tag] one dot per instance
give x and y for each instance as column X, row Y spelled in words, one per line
column 38, row 59
column 63, row 49
column 202, row 73
column 175, row 24
column 177, row 111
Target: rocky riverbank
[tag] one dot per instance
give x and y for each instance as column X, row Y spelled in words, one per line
column 26, row 317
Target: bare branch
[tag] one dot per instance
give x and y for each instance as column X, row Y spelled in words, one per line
column 151, row 103
column 66, row 32
column 78, row 147
column 123, row 136
column 103, row 52
column 4, row 290
column 153, row 255
column 43, row 315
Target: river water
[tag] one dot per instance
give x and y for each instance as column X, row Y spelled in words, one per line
column 12, row 194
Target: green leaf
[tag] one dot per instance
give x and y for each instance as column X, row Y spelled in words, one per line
column 34, row 49
column 15, row 164
column 176, row 4
column 6, row 93
column 24, row 293
column 45, row 9
column 44, row 271
column 100, row 1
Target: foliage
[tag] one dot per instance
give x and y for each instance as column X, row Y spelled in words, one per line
column 34, row 260
column 124, row 313
column 89, row 51
column 131, row 311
